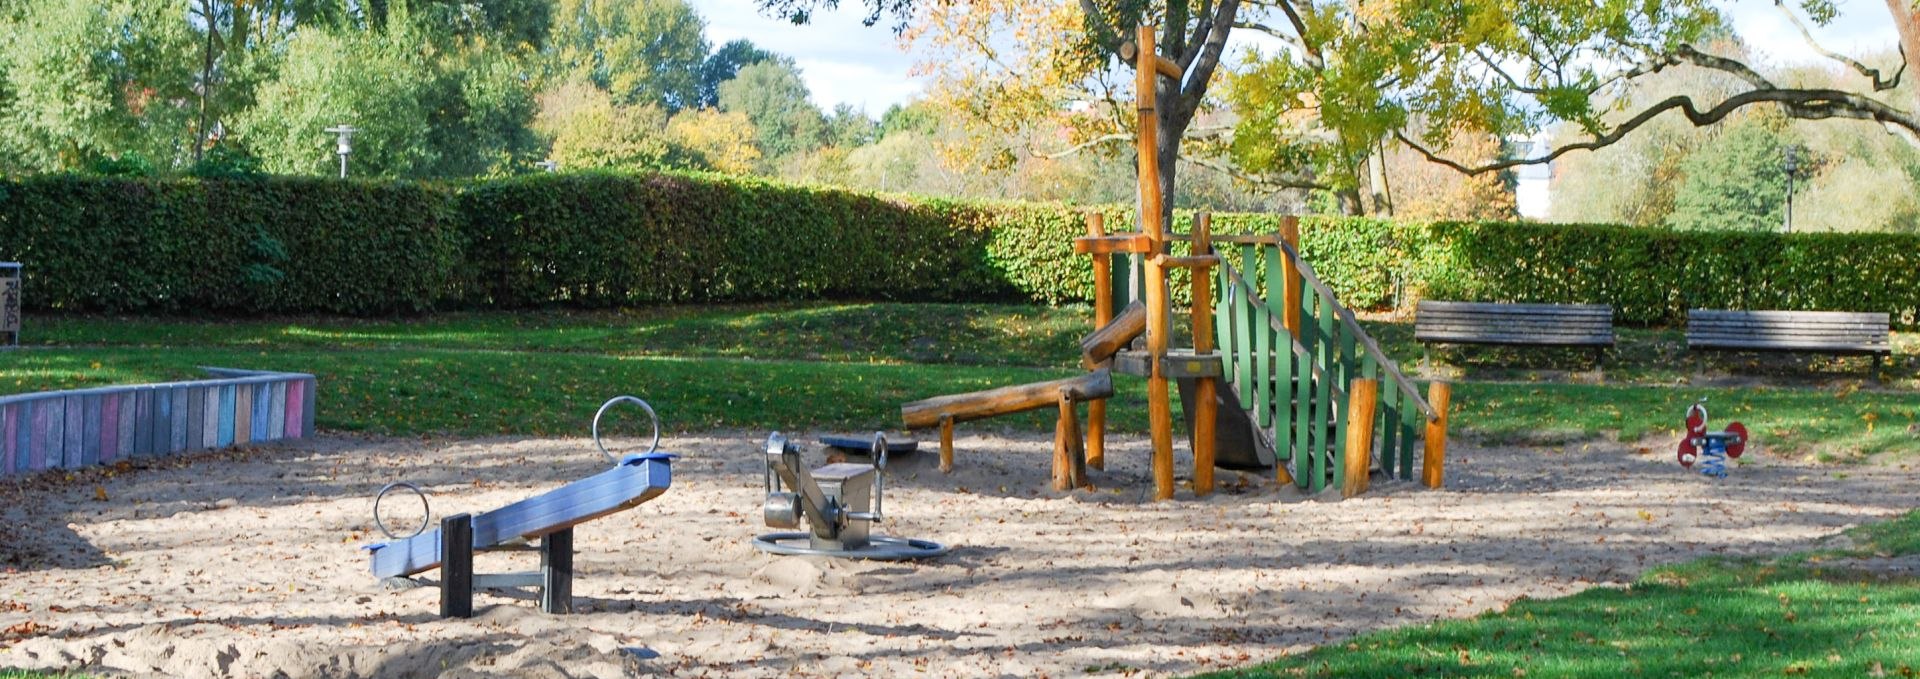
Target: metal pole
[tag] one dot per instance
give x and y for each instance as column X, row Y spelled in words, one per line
column 343, row 166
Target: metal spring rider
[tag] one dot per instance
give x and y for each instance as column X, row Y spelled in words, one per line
column 1710, row 449
column 839, row 502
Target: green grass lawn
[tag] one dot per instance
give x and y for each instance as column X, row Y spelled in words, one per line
column 849, row 366
column 1816, row 615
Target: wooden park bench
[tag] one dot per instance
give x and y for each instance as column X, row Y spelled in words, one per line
column 1829, row 332
column 1550, row 325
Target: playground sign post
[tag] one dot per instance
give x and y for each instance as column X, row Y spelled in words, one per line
column 10, row 303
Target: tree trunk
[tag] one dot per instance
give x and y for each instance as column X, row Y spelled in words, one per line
column 1906, row 20
column 206, row 81
column 1378, row 203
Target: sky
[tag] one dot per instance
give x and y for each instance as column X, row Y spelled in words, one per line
column 842, row 61
column 845, row 62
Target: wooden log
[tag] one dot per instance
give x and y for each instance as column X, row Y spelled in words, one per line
column 1206, row 412
column 946, row 445
column 1069, row 459
column 1189, row 262
column 1115, row 334
column 1005, row 400
column 1102, row 244
column 1362, row 395
column 1433, row 463
column 1102, row 315
column 1159, row 394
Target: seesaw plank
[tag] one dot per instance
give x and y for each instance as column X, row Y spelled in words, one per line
column 617, row 489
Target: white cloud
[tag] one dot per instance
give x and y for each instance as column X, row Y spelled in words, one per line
column 1862, row 27
column 841, row 60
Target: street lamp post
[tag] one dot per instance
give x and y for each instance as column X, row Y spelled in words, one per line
column 345, row 147
column 1792, row 166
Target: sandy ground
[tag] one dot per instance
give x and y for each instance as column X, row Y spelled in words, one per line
column 249, row 565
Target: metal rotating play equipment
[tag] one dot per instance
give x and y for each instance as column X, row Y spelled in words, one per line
column 1710, row 449
column 839, row 503
column 549, row 518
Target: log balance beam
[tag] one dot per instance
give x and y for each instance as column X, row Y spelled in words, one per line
column 1069, row 455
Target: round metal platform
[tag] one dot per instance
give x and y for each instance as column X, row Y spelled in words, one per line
column 879, row 547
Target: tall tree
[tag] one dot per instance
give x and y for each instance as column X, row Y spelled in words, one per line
column 87, row 79
column 725, row 63
column 421, row 112
column 774, row 98
column 640, row 51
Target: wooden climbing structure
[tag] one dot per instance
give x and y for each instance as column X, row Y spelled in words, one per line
column 1277, row 375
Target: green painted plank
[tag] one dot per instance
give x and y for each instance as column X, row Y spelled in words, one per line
column 1264, row 392
column 1283, row 410
column 1247, row 313
column 1391, row 401
column 1409, row 417
column 1323, row 392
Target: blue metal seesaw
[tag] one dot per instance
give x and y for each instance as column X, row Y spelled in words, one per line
column 548, row 517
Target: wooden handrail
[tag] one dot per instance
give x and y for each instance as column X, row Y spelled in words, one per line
column 1353, row 325
column 1240, row 283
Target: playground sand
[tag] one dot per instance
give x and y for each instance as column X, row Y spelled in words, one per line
column 249, row 566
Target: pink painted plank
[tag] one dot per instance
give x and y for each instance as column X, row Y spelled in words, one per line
column 296, row 400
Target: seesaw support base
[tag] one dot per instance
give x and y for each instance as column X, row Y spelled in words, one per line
column 458, row 581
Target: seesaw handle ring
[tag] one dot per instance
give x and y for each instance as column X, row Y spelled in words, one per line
column 425, row 518
column 597, row 443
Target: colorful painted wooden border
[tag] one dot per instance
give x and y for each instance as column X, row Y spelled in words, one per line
column 104, row 425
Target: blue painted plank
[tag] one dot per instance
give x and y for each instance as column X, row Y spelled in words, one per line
column 90, row 440
column 127, row 421
column 310, row 399
column 262, row 404
column 227, row 412
column 177, row 424
column 636, row 480
column 74, row 410
column 196, row 418
column 9, row 447
column 142, row 435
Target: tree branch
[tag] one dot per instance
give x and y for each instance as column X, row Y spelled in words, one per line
column 1200, row 72
column 1082, row 146
column 1802, row 104
column 1257, row 180
column 1873, row 74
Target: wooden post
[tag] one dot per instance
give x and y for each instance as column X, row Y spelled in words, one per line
column 1206, row 408
column 1069, row 459
column 1433, row 469
column 1290, row 275
column 1159, row 398
column 1102, row 315
column 946, row 443
column 1362, row 395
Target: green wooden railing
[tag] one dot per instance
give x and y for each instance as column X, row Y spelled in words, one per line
column 1295, row 390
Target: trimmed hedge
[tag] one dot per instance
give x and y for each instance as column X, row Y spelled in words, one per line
column 300, row 245
column 253, row 246
column 1653, row 276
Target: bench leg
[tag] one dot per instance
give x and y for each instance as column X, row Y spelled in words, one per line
column 456, row 566
column 556, row 572
column 1426, row 359
column 1876, row 367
